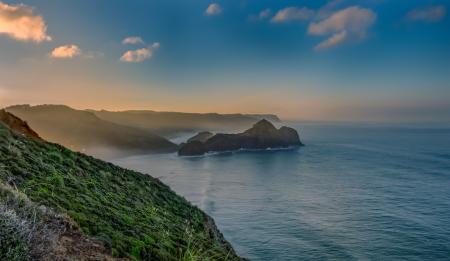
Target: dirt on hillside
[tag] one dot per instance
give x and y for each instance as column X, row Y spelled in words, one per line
column 18, row 125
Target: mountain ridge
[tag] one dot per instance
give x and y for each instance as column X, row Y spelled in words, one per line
column 169, row 123
column 84, row 131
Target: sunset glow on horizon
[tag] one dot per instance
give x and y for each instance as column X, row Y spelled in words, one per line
column 338, row 60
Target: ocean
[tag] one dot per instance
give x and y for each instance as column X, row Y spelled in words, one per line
column 354, row 192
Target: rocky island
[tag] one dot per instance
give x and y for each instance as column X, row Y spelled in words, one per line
column 201, row 136
column 262, row 135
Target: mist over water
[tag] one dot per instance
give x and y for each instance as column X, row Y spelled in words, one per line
column 353, row 192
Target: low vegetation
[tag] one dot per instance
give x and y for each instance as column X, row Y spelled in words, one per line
column 134, row 215
column 32, row 232
column 16, row 226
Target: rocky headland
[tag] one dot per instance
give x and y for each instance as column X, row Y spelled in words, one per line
column 262, row 135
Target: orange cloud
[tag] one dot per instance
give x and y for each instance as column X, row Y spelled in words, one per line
column 213, row 9
column 133, row 40
column 139, row 55
column 66, row 51
column 20, row 23
column 289, row 14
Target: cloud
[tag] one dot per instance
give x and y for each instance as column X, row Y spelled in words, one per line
column 139, row 55
column 133, row 40
column 213, row 9
column 19, row 22
column 70, row 51
column 292, row 14
column 342, row 26
column 66, row 51
column 264, row 14
column 428, row 15
column 328, row 9
column 335, row 39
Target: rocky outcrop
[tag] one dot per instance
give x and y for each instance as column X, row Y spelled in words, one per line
column 262, row 135
column 201, row 136
column 193, row 148
column 17, row 125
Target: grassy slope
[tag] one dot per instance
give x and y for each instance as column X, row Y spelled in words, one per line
column 32, row 232
column 135, row 214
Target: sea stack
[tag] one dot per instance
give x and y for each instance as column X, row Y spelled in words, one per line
column 201, row 136
column 262, row 135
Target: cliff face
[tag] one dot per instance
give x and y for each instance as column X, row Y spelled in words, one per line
column 262, row 135
column 132, row 214
column 193, row 148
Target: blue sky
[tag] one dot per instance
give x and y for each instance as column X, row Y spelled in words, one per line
column 371, row 60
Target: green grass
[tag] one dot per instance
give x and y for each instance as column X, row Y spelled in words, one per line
column 136, row 215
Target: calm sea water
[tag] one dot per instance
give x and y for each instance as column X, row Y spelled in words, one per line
column 352, row 193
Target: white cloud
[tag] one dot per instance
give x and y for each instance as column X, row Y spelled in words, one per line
column 344, row 25
column 156, row 45
column 139, row 55
column 19, row 22
column 429, row 15
column 66, row 51
column 213, row 9
column 133, row 40
column 292, row 14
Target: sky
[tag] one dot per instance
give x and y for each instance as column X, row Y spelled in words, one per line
column 341, row 60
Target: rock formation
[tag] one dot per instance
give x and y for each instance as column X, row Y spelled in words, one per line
column 201, row 136
column 262, row 135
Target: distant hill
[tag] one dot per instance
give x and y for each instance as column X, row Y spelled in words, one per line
column 166, row 123
column 83, row 130
column 56, row 204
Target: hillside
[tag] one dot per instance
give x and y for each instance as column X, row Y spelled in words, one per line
column 167, row 123
column 134, row 215
column 32, row 232
column 84, row 131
